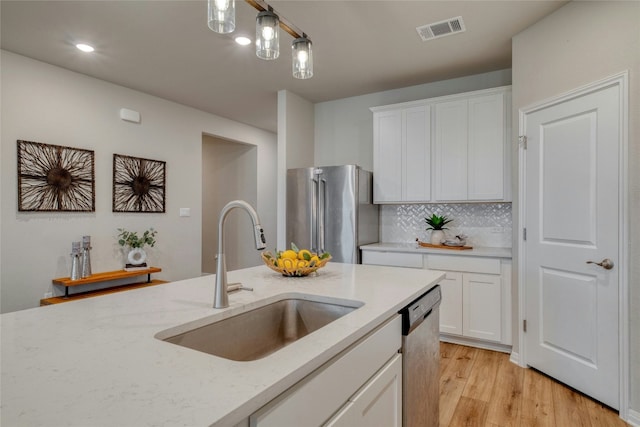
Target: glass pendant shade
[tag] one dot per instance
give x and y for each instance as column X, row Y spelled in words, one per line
column 302, row 58
column 267, row 40
column 222, row 16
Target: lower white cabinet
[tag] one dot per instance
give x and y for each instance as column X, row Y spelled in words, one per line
column 476, row 292
column 471, row 305
column 481, row 303
column 364, row 383
column 476, row 296
column 451, row 305
column 378, row 403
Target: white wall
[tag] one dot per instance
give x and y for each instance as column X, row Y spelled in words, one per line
column 229, row 172
column 344, row 127
column 48, row 104
column 295, row 147
column 563, row 52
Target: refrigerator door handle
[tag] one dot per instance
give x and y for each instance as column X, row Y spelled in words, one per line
column 314, row 215
column 322, row 190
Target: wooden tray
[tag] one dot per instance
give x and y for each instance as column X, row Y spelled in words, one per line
column 453, row 248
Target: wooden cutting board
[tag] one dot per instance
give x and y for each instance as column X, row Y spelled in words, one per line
column 453, row 248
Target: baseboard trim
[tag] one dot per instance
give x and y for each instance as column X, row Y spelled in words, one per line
column 503, row 348
column 633, row 418
column 515, row 358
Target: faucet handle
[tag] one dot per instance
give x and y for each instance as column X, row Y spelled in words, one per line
column 261, row 242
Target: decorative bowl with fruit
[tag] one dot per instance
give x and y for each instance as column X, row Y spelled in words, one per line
column 295, row 262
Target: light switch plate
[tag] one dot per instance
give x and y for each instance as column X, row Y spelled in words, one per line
column 185, row 211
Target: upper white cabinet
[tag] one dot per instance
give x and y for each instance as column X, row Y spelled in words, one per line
column 470, row 141
column 402, row 154
column 467, row 161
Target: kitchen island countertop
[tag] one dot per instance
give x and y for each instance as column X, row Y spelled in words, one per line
column 96, row 362
column 415, row 248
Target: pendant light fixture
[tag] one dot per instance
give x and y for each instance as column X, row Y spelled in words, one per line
column 302, row 58
column 267, row 35
column 222, row 19
column 222, row 16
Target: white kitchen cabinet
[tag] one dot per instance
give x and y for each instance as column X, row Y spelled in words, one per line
column 451, row 305
column 481, row 306
column 487, row 139
column 451, row 150
column 467, row 161
column 470, row 140
column 476, row 294
column 379, row 402
column 402, row 154
column 392, row 259
column 358, row 377
column 480, row 290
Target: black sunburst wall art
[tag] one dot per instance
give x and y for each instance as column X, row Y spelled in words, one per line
column 138, row 184
column 53, row 178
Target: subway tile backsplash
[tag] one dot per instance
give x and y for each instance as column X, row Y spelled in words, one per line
column 485, row 224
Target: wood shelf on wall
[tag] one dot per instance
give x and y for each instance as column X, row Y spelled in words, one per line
column 100, row 278
column 106, row 276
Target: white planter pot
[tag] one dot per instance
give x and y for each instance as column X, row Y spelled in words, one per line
column 137, row 256
column 437, row 236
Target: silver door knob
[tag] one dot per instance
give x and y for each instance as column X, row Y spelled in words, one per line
column 606, row 263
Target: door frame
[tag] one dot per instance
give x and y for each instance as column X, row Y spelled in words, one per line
column 621, row 81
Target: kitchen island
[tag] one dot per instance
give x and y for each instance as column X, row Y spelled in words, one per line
column 96, row 362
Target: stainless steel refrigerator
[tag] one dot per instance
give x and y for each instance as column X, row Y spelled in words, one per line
column 330, row 209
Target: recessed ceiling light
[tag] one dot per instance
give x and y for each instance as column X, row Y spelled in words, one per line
column 85, row 47
column 243, row 41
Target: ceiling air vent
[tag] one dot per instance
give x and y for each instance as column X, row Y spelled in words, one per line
column 441, row 29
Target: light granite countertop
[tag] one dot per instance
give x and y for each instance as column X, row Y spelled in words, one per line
column 95, row 362
column 415, row 248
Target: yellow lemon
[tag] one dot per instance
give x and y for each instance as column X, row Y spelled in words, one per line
column 280, row 263
column 303, row 263
column 314, row 260
column 304, row 254
column 289, row 254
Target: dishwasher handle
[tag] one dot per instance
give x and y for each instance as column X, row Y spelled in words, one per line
column 416, row 312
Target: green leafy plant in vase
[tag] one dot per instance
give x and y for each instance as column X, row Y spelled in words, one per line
column 130, row 239
column 437, row 225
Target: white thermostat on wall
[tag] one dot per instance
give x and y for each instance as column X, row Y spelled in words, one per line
column 129, row 115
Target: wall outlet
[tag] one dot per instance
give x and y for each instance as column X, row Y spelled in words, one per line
column 185, row 211
column 48, row 294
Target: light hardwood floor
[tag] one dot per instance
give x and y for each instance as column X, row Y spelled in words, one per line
column 483, row 388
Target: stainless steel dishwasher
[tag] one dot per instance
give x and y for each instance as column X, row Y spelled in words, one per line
column 421, row 360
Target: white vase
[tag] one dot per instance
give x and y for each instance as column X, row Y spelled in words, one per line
column 437, row 236
column 137, row 256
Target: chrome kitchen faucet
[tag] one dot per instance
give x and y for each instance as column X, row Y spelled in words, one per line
column 221, row 297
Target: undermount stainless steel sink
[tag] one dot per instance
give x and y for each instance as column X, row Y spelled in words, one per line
column 259, row 332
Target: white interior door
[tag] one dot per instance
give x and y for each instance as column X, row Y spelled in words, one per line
column 571, row 210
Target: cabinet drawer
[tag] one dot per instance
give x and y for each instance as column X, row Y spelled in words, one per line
column 314, row 399
column 463, row 263
column 394, row 259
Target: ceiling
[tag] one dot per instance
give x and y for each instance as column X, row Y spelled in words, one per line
column 164, row 48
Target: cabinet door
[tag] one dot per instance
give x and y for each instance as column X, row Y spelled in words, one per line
column 451, row 305
column 486, row 147
column 378, row 403
column 451, row 150
column 482, row 306
column 387, row 156
column 417, row 154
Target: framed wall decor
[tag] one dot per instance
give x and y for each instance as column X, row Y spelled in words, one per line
column 53, row 178
column 138, row 184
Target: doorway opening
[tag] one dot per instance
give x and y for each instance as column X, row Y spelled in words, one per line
column 229, row 172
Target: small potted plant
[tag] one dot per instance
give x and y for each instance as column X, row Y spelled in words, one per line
column 437, row 225
column 136, row 256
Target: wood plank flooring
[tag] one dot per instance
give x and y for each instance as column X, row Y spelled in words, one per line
column 482, row 388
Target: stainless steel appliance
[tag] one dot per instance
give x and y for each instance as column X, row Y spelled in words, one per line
column 421, row 360
column 330, row 209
